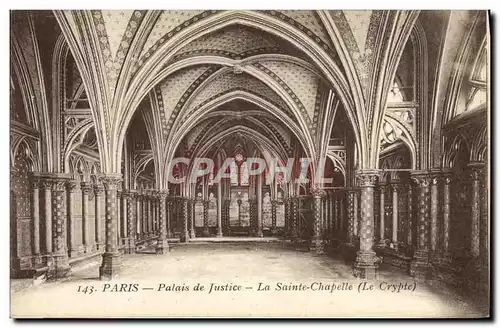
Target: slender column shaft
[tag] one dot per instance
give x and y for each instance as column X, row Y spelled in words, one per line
column 395, row 225
column 98, row 189
column 434, row 213
column 192, row 231
column 364, row 266
column 259, row 206
column 86, row 189
column 219, row 209
column 131, row 223
column 60, row 255
column 420, row 263
column 351, row 195
column 475, row 213
column 162, row 245
column 169, row 218
column 446, row 212
column 47, row 193
column 71, row 237
column 382, row 216
column 184, row 216
column 206, row 204
column 35, row 215
column 316, row 243
column 111, row 259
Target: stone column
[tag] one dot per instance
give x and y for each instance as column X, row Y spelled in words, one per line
column 434, row 213
column 206, row 232
column 475, row 211
column 170, row 205
column 150, row 214
column 184, row 238
column 60, row 252
column 396, row 188
column 410, row 217
column 316, row 244
column 70, row 188
column 35, row 215
column 365, row 265
column 111, row 259
column 287, row 217
column 118, row 215
column 351, row 218
column 219, row 209
column 274, row 209
column 131, row 223
column 162, row 244
column 259, row 206
column 382, row 241
column 420, row 263
column 192, row 230
column 253, row 217
column 47, row 193
column 446, row 217
column 356, row 213
column 144, row 216
column 124, row 219
column 86, row 190
column 98, row 189
column 484, row 224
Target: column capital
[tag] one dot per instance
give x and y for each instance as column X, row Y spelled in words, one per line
column 163, row 194
column 86, row 187
column 367, row 178
column 129, row 194
column 317, row 192
column 59, row 184
column 397, row 186
column 422, row 178
column 111, row 181
column 35, row 182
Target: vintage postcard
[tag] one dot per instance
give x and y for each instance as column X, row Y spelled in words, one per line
column 250, row 163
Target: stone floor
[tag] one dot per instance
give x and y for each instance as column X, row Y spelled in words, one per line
column 159, row 280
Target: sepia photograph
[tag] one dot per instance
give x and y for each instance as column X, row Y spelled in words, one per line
column 250, row 164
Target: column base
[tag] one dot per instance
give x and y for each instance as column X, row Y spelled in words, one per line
column 393, row 245
column 382, row 243
column 192, row 234
column 130, row 246
column 259, row 233
column 162, row 246
column 58, row 267
column 366, row 265
column 317, row 246
column 184, row 238
column 205, row 232
column 419, row 266
column 170, row 234
column 110, row 267
column 37, row 260
column 219, row 234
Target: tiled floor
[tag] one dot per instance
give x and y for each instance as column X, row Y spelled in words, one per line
column 229, row 265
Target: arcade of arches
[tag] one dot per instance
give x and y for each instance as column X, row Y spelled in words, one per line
column 393, row 104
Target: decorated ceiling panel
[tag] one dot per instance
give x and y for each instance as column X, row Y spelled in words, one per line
column 359, row 21
column 116, row 22
column 168, row 20
column 173, row 87
column 303, row 82
column 234, row 40
column 309, row 19
column 230, row 81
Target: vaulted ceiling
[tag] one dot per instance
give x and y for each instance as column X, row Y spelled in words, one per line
column 281, row 79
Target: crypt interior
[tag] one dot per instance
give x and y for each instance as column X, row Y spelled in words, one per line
column 393, row 105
